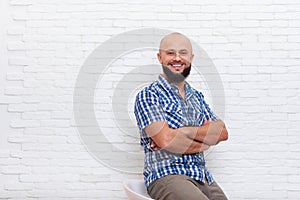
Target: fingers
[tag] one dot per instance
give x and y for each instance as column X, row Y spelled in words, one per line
column 204, row 147
column 154, row 146
column 207, row 122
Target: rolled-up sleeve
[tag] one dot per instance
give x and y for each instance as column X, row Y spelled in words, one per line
column 209, row 114
column 147, row 109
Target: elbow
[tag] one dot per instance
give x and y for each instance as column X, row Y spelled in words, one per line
column 164, row 138
column 225, row 135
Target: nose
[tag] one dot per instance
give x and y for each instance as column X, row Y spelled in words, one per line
column 177, row 56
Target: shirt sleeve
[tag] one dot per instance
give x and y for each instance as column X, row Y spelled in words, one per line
column 147, row 109
column 209, row 114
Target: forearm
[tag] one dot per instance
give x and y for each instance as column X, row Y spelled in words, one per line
column 187, row 140
column 180, row 143
column 211, row 133
column 174, row 140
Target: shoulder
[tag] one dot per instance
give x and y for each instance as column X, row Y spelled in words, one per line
column 148, row 93
column 199, row 94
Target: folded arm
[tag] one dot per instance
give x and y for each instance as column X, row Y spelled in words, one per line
column 187, row 140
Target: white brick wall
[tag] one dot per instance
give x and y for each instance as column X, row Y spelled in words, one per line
column 255, row 46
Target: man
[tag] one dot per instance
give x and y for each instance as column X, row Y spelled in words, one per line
column 176, row 126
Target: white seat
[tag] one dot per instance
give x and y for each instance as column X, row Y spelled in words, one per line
column 136, row 190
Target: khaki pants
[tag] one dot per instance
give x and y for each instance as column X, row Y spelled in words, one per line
column 181, row 187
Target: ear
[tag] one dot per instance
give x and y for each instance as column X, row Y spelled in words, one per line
column 192, row 57
column 159, row 57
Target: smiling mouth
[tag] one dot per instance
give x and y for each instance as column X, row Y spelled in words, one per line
column 176, row 66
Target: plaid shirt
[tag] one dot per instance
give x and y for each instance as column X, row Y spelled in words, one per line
column 161, row 101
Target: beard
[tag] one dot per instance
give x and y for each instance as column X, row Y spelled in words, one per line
column 174, row 77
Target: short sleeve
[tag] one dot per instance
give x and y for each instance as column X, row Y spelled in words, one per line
column 147, row 109
column 209, row 114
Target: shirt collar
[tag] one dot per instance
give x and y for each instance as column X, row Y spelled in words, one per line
column 164, row 83
column 170, row 86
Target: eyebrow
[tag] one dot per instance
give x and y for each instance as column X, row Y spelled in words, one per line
column 173, row 50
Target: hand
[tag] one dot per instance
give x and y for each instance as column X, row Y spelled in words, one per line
column 204, row 147
column 207, row 122
column 154, row 146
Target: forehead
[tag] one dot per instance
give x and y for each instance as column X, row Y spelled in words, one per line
column 175, row 41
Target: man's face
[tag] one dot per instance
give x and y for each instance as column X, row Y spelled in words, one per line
column 175, row 54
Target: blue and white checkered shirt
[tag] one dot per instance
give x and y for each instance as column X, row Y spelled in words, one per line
column 161, row 101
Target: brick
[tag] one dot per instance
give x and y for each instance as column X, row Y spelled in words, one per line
column 293, row 195
column 182, row 8
column 18, row 91
column 258, row 78
column 272, row 38
column 70, row 8
column 11, row 100
column 21, row 2
column 294, row 179
column 10, row 161
column 290, row 2
column 285, row 77
column 16, row 123
column 255, row 45
column 15, row 76
column 39, row 23
column 13, row 195
column 257, row 2
column 276, row 54
column 246, row 70
column 55, row 123
column 34, row 178
column 294, row 54
column 268, row 69
column 245, row 23
column 16, row 46
column 10, row 170
column 20, row 16
column 36, row 115
column 4, row 153
column 255, row 16
column 50, row 76
column 19, row 61
column 61, row 114
column 284, row 46
column 294, row 38
column 16, row 31
column 93, row 178
column 256, row 62
column 16, row 154
column 274, row 23
column 18, row 186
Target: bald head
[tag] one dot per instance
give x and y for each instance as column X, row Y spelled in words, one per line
column 175, row 41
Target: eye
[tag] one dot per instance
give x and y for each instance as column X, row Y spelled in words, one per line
column 170, row 53
column 183, row 52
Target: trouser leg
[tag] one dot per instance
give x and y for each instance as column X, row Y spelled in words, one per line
column 175, row 187
column 213, row 191
column 180, row 187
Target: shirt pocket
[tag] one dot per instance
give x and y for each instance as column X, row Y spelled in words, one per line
column 173, row 114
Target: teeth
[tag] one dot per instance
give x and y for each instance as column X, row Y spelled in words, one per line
column 177, row 65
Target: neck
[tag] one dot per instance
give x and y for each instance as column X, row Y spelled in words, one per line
column 180, row 85
column 181, row 89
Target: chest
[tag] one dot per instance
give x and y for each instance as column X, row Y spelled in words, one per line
column 182, row 112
